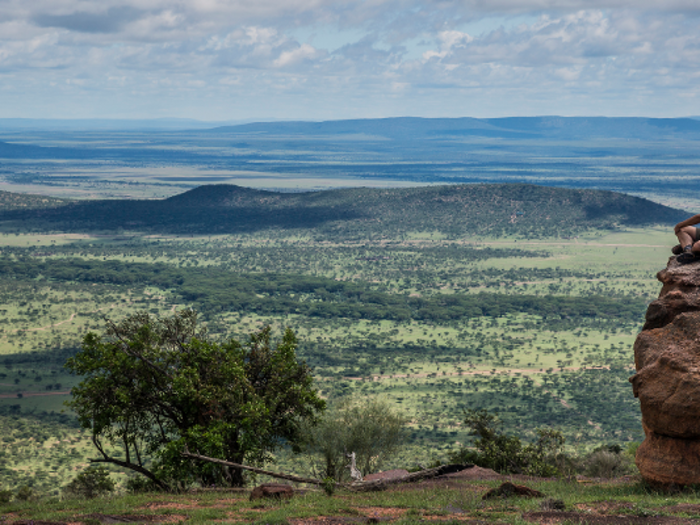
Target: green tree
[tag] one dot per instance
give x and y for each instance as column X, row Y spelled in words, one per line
column 154, row 387
column 371, row 428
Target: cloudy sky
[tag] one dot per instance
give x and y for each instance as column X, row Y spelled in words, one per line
column 330, row 59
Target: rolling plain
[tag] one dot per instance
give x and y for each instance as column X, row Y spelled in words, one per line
column 521, row 299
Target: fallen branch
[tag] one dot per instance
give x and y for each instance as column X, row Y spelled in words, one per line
column 381, row 484
column 360, row 486
column 278, row 475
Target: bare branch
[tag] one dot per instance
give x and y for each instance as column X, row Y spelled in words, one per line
column 288, row 477
column 134, row 467
column 363, row 486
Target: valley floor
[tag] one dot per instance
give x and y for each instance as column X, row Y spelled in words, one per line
column 535, row 363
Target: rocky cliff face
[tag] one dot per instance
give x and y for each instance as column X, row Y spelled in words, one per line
column 667, row 382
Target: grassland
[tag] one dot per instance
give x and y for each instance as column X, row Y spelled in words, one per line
column 451, row 501
column 534, row 370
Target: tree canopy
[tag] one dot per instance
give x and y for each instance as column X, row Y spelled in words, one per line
column 154, row 387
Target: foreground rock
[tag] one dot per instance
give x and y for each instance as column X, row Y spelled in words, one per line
column 667, row 382
column 509, row 490
column 272, row 491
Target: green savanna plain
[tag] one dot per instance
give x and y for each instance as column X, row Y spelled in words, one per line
column 514, row 349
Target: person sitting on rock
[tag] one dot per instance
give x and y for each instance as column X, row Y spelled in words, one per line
column 689, row 238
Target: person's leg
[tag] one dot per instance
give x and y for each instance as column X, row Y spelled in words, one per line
column 696, row 241
column 688, row 237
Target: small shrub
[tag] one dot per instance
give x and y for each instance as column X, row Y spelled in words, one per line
column 632, row 447
column 604, row 463
column 139, row 484
column 5, row 497
column 508, row 454
column 90, row 483
column 25, row 493
column 329, row 485
column 370, row 427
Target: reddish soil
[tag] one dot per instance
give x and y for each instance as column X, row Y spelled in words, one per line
column 557, row 517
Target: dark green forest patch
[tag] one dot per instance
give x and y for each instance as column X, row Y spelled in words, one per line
column 212, row 290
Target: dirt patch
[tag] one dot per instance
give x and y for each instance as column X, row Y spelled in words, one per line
column 382, row 512
column 429, row 484
column 475, row 473
column 127, row 518
column 690, row 508
column 256, row 508
column 170, row 506
column 453, row 481
column 605, row 507
column 35, row 522
column 334, row 520
column 556, row 517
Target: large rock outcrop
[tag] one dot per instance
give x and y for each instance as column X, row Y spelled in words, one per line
column 667, row 382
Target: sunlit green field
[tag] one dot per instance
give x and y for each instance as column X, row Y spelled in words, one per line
column 531, row 370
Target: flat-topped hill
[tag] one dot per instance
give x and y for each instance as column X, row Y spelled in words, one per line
column 546, row 127
column 453, row 210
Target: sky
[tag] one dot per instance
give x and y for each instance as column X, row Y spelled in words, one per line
column 229, row 60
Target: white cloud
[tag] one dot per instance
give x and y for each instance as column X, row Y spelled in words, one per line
column 294, row 56
column 449, row 40
column 565, row 52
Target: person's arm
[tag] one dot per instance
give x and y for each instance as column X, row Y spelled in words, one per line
column 695, row 219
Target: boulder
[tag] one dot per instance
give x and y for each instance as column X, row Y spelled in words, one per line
column 272, row 491
column 667, row 382
column 669, row 461
column 508, row 490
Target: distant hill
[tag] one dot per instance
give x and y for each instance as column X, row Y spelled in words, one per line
column 454, row 210
column 32, row 124
column 24, row 201
column 396, row 128
column 550, row 127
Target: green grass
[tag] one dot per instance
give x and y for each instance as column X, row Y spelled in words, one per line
column 417, row 503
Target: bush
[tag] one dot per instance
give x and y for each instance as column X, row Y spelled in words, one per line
column 5, row 497
column 328, row 486
column 607, row 462
column 139, row 485
column 90, row 483
column 25, row 493
column 507, row 454
column 370, row 428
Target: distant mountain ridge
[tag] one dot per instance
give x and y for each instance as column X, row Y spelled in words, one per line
column 394, row 128
column 546, row 127
column 453, row 210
